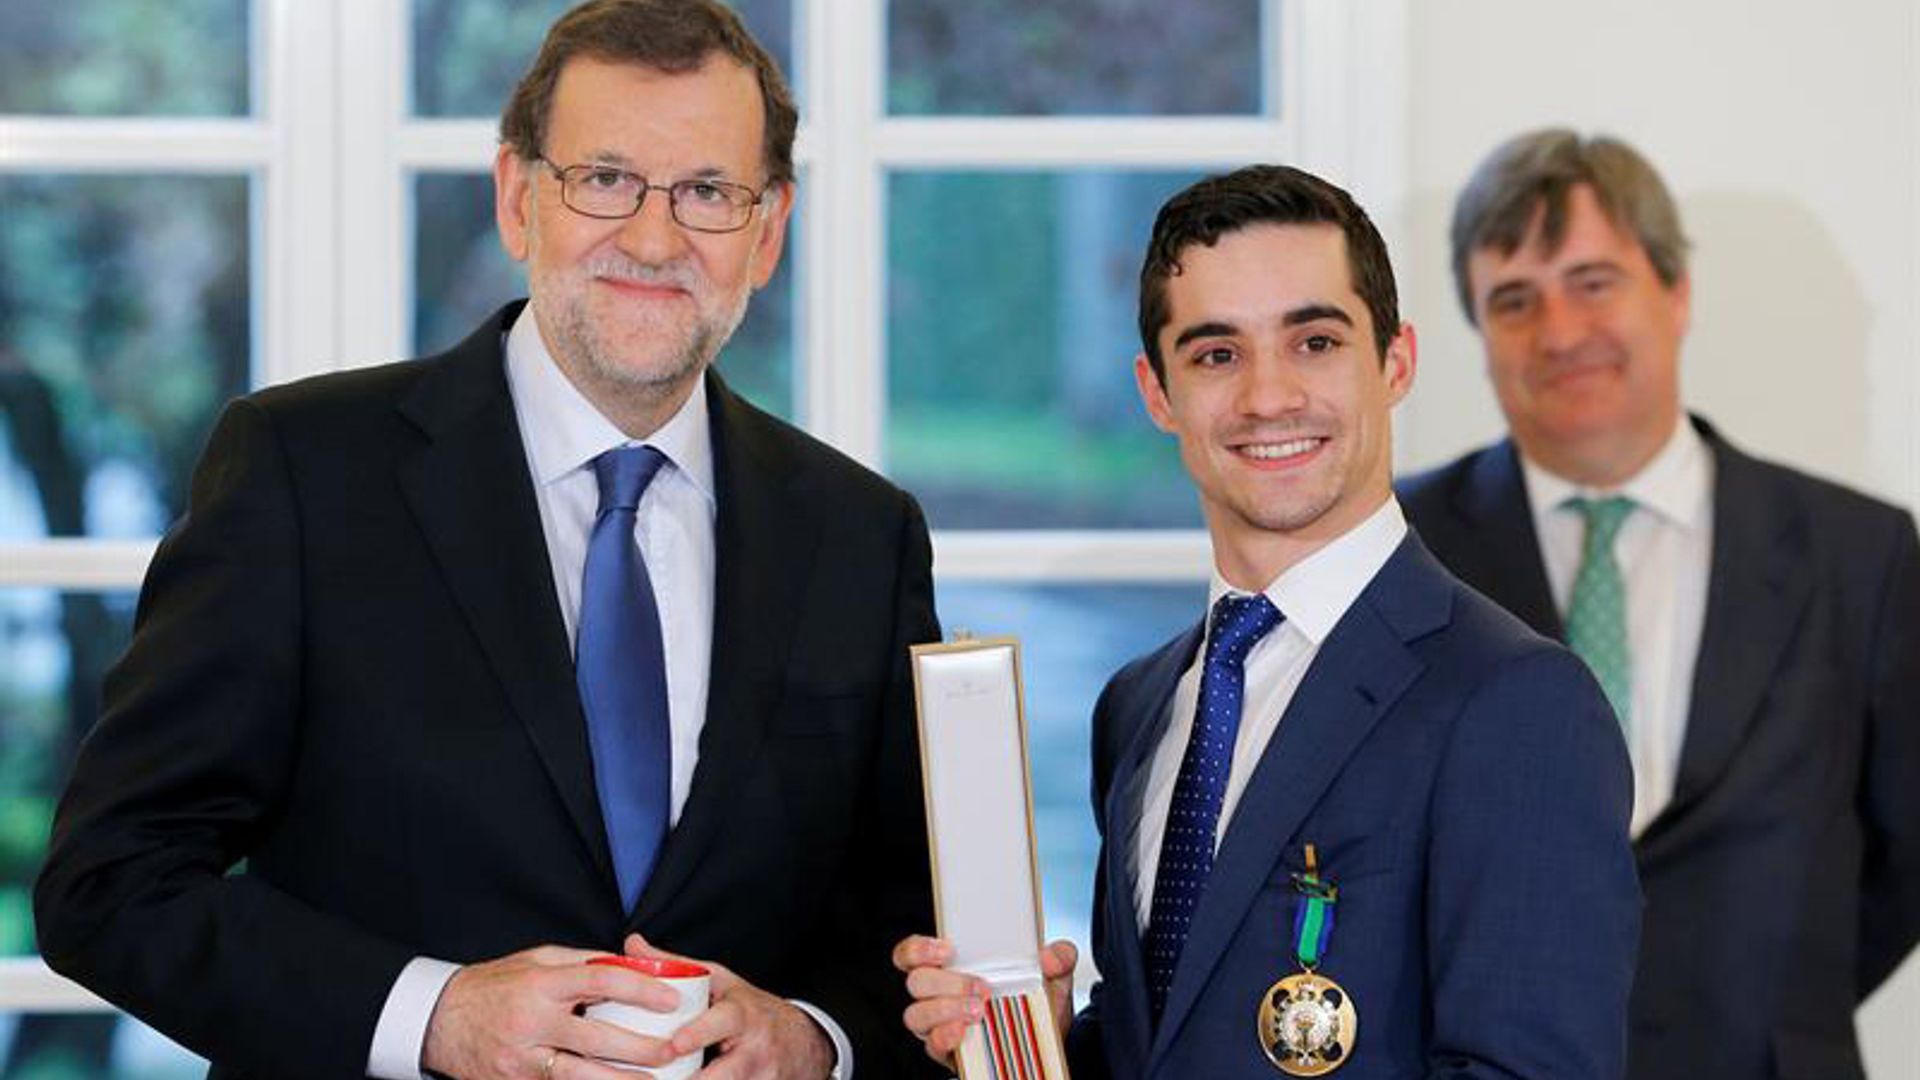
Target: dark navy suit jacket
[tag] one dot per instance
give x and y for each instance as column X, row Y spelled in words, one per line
column 1783, row 882
column 1468, row 792
column 350, row 669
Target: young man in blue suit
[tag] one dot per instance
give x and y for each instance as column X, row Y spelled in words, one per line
column 1359, row 820
column 1759, row 629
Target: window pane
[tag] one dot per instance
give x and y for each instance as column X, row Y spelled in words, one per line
column 462, row 274
column 1102, row 57
column 124, row 326
column 1010, row 341
column 90, row 1046
column 125, row 57
column 1072, row 638
column 54, row 648
column 467, row 54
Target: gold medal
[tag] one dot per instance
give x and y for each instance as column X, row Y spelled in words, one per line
column 1307, row 1025
column 1307, row 1021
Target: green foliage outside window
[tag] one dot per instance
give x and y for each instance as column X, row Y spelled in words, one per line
column 125, row 57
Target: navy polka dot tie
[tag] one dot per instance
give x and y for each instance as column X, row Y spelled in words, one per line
column 1186, row 849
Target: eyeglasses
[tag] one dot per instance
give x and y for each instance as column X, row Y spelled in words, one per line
column 602, row 191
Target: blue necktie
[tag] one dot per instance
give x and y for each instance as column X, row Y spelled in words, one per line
column 1186, row 850
column 622, row 671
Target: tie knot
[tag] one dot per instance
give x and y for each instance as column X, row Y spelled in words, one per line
column 1238, row 623
column 1604, row 517
column 624, row 474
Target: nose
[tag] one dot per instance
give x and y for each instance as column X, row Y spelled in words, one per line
column 1270, row 386
column 1563, row 327
column 651, row 236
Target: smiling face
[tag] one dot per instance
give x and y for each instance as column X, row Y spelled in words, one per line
column 1277, row 393
column 634, row 309
column 1583, row 346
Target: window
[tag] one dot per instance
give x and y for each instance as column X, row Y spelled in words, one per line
column 210, row 195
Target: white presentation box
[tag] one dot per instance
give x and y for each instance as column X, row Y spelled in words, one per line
column 986, row 879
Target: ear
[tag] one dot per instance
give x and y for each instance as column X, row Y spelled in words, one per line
column 1683, row 303
column 1152, row 394
column 513, row 201
column 1398, row 366
column 775, row 209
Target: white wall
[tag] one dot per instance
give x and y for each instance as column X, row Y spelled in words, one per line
column 1788, row 131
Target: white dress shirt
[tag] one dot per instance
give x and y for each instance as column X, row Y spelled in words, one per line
column 562, row 433
column 1314, row 594
column 1665, row 552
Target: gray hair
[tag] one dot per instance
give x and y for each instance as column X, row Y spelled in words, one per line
column 1533, row 173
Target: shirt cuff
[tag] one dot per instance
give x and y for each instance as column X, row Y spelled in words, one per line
column 842, row 1049
column 401, row 1033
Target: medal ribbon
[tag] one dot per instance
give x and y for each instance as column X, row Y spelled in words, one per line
column 1313, row 916
column 1013, row 1041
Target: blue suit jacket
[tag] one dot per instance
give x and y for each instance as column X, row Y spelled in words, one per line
column 1468, row 791
column 1783, row 881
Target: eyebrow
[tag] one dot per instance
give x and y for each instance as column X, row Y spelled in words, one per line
column 1507, row 288
column 606, row 157
column 621, row 161
column 1203, row 330
column 1308, row 313
column 1521, row 285
column 1591, row 265
column 1300, row 316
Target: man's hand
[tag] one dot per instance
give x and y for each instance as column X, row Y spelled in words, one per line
column 514, row 1017
column 758, row 1036
column 946, row 1003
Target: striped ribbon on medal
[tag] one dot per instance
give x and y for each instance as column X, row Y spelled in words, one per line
column 1013, row 1044
column 1313, row 917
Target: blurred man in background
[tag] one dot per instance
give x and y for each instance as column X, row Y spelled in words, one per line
column 1757, row 630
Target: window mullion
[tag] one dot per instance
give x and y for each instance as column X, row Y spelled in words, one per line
column 843, row 392
column 1136, row 556
column 1078, row 142
column 297, row 238
column 372, row 190
column 89, row 144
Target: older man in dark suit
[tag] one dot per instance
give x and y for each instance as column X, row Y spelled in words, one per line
column 1757, row 630
column 485, row 662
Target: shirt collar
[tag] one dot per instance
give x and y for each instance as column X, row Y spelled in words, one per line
column 1675, row 484
column 1315, row 593
column 564, row 432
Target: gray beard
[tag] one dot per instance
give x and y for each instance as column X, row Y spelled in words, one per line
column 588, row 353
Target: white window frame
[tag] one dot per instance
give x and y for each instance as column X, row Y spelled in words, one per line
column 334, row 154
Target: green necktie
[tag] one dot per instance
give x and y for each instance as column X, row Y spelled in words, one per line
column 1597, row 614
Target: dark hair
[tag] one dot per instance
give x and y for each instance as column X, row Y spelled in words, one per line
column 673, row 36
column 1533, row 174
column 1263, row 195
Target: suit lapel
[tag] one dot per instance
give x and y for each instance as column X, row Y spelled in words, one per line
column 765, row 536
column 471, row 493
column 1362, row 668
column 1501, row 554
column 1151, row 700
column 1755, row 600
